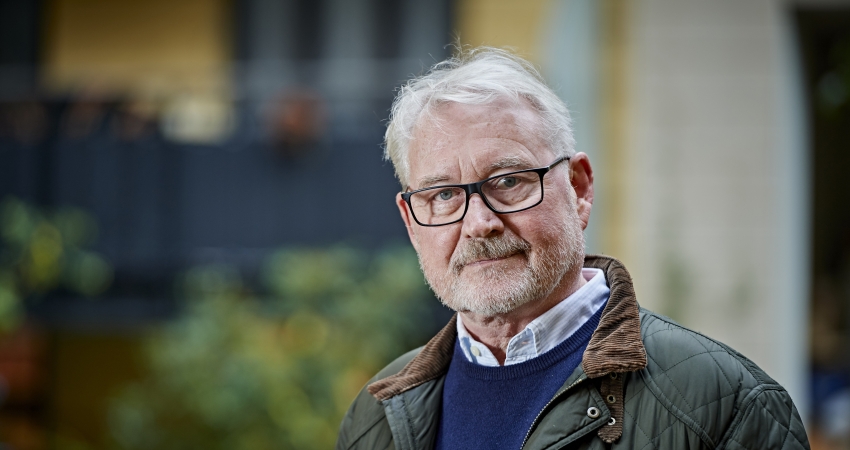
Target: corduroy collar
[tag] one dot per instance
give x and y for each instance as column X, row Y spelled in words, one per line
column 615, row 346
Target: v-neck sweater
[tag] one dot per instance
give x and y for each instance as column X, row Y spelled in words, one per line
column 493, row 407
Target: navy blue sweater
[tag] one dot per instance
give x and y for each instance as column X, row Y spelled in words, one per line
column 493, row 407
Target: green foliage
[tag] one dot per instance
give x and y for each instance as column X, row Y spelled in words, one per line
column 237, row 371
column 41, row 251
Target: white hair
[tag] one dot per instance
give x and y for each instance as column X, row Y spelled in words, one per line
column 477, row 76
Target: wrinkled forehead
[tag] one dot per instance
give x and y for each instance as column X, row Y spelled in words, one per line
column 448, row 123
column 502, row 117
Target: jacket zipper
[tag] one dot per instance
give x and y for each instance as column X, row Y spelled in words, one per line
column 552, row 400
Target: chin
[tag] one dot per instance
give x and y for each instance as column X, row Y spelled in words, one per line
column 483, row 307
column 494, row 295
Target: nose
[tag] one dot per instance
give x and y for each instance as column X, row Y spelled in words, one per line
column 480, row 221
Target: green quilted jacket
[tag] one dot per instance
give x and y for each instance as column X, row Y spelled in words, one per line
column 644, row 383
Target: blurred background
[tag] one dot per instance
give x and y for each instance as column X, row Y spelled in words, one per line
column 198, row 241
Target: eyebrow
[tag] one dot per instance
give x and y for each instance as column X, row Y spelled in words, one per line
column 508, row 162
column 431, row 180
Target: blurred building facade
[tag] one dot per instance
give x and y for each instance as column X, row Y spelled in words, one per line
column 215, row 131
column 717, row 128
column 207, row 131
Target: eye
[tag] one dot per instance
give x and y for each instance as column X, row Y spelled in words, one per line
column 507, row 182
column 445, row 194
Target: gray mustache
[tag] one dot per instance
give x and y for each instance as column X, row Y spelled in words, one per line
column 489, row 248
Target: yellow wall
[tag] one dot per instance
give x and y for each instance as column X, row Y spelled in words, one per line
column 614, row 108
column 131, row 44
column 517, row 24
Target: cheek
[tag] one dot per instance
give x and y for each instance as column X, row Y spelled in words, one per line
column 558, row 188
column 548, row 226
column 560, row 206
column 438, row 244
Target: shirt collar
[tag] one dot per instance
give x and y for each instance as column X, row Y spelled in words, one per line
column 546, row 331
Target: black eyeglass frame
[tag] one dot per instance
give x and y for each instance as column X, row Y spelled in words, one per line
column 475, row 188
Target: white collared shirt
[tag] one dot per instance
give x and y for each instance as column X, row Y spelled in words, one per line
column 546, row 331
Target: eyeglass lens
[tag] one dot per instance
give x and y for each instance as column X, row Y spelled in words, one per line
column 507, row 193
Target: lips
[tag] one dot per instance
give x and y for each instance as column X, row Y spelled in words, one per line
column 484, row 261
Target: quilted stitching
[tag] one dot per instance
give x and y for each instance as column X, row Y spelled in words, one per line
column 665, row 325
column 631, row 394
column 679, row 391
column 719, row 366
column 637, row 425
column 655, row 419
column 670, row 374
column 690, row 408
column 790, row 420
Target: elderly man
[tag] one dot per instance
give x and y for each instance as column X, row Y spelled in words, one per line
column 548, row 348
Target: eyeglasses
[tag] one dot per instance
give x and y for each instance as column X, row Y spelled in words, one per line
column 503, row 194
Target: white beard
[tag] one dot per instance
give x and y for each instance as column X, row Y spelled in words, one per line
column 498, row 288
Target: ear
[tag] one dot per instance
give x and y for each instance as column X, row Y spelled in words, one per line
column 581, row 177
column 408, row 220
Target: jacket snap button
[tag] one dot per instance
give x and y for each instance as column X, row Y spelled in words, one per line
column 611, row 399
column 592, row 412
column 613, row 375
column 612, row 421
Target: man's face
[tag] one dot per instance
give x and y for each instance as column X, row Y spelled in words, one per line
column 490, row 263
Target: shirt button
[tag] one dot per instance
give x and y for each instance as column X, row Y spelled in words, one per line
column 475, row 351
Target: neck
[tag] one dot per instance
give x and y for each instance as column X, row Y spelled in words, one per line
column 496, row 331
